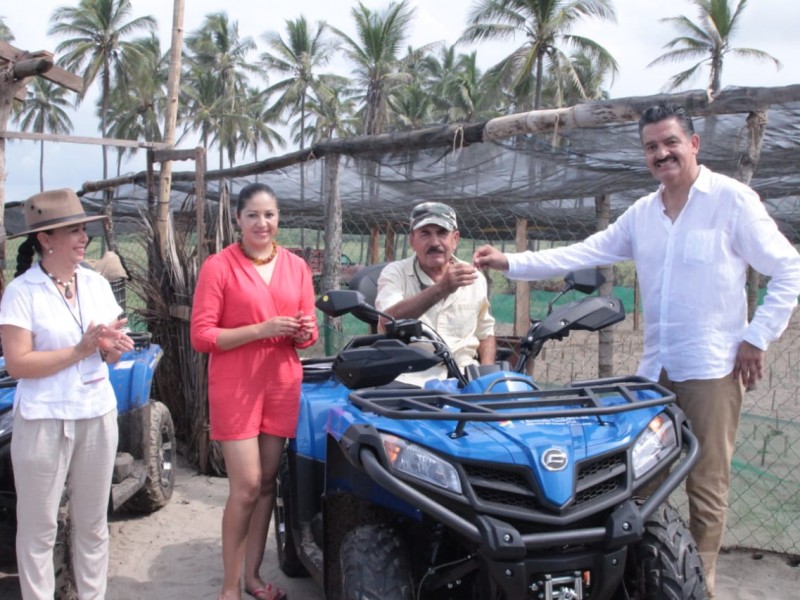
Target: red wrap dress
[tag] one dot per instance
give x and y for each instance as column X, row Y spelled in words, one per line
column 254, row 388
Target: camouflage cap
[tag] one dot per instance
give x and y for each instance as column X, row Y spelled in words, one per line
column 434, row 213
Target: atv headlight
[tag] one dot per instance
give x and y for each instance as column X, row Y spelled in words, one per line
column 417, row 462
column 656, row 442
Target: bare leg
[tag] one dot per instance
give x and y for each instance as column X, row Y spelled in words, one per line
column 271, row 448
column 244, row 476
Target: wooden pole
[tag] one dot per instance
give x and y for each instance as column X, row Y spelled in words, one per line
column 173, row 83
column 389, row 242
column 8, row 89
column 374, row 244
column 522, row 312
column 748, row 161
column 605, row 347
column 200, row 203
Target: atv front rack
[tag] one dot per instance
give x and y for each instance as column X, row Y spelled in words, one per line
column 594, row 398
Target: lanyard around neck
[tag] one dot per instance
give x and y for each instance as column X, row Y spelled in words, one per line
column 79, row 319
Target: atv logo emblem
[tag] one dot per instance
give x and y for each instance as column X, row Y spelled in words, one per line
column 554, row 459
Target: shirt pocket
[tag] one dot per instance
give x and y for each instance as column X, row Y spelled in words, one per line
column 458, row 319
column 699, row 248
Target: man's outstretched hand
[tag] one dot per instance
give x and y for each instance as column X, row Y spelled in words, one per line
column 489, row 256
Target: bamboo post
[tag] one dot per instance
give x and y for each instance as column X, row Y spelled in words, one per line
column 173, row 83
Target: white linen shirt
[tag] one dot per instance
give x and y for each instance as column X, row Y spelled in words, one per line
column 32, row 302
column 462, row 318
column 691, row 274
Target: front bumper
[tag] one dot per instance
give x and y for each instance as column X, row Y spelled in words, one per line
column 515, row 560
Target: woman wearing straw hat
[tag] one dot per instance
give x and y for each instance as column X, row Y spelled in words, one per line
column 59, row 325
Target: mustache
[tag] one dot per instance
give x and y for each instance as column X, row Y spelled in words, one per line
column 435, row 251
column 661, row 161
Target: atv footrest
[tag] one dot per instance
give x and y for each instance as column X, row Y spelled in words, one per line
column 121, row 492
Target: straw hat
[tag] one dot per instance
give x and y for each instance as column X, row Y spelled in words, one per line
column 56, row 208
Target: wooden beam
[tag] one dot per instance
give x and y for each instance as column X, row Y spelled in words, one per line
column 9, row 53
column 620, row 110
column 168, row 154
column 29, row 67
column 65, row 79
column 591, row 114
column 49, row 137
column 56, row 74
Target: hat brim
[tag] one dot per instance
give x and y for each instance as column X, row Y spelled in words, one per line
column 441, row 222
column 56, row 225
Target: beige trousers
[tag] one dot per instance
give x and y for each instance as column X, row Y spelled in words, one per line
column 44, row 452
column 713, row 407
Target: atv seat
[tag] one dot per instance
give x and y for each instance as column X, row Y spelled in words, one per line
column 366, row 282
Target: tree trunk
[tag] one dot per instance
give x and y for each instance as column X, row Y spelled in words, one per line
column 748, row 161
column 331, row 262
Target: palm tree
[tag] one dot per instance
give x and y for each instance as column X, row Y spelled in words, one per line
column 99, row 29
column 137, row 105
column 587, row 86
column 411, row 106
column 43, row 111
column 259, row 115
column 708, row 40
column 331, row 113
column 305, row 51
column 217, row 49
column 460, row 91
column 546, row 26
column 375, row 52
column 5, row 32
column 201, row 104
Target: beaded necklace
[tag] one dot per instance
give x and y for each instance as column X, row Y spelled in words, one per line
column 64, row 284
column 260, row 261
column 67, row 294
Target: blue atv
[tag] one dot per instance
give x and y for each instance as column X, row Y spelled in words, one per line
column 483, row 486
column 143, row 471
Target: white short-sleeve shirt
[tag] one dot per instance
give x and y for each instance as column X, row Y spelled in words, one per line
column 32, row 302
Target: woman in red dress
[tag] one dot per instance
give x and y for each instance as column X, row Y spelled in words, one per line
column 253, row 308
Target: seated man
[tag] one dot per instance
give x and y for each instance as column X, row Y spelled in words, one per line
column 442, row 291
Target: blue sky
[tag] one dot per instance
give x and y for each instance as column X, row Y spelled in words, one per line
column 636, row 39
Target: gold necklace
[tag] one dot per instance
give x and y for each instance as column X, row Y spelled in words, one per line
column 260, row 261
column 65, row 284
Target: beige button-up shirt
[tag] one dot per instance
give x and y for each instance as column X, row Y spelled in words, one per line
column 462, row 319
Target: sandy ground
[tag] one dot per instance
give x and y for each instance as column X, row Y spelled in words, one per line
column 174, row 554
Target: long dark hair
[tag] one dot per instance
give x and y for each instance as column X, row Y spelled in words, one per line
column 26, row 253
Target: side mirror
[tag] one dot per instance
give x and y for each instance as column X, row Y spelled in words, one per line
column 585, row 281
column 336, row 303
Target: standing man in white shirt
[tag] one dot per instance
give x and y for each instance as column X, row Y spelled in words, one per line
column 446, row 293
column 692, row 241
